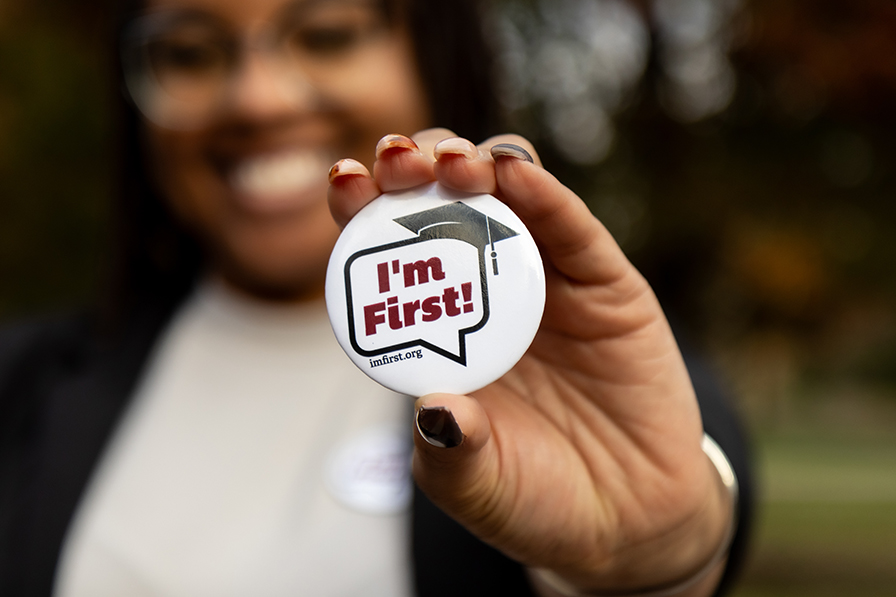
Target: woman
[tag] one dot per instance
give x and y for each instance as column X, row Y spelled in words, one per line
column 191, row 449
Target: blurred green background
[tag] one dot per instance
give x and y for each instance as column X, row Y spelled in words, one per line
column 743, row 153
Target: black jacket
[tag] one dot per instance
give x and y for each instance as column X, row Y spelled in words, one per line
column 63, row 388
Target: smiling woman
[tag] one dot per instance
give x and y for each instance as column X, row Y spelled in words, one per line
column 247, row 107
column 212, row 438
column 287, row 87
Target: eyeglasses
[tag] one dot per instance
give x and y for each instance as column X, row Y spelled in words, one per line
column 180, row 67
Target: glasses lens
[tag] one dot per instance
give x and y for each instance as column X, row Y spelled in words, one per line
column 323, row 34
column 177, row 67
column 190, row 63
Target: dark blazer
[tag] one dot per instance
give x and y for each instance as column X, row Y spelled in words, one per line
column 63, row 388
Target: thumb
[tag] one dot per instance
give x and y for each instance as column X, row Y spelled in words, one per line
column 454, row 460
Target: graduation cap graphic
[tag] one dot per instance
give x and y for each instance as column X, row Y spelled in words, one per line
column 459, row 221
column 456, row 221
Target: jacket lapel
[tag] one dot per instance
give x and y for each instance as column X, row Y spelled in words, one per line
column 74, row 420
column 449, row 561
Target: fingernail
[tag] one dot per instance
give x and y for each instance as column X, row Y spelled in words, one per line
column 347, row 167
column 509, row 150
column 395, row 142
column 437, row 426
column 455, row 146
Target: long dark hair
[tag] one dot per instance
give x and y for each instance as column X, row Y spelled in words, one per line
column 155, row 257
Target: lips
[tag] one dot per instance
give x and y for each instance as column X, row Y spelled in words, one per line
column 279, row 182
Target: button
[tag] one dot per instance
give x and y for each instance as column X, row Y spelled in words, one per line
column 372, row 472
column 434, row 290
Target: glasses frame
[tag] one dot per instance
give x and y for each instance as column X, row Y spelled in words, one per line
column 142, row 85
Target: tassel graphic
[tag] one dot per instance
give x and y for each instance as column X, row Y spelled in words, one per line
column 492, row 243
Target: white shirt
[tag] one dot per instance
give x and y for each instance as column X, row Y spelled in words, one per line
column 254, row 459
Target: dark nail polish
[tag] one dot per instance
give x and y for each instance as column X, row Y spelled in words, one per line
column 438, row 427
column 510, row 150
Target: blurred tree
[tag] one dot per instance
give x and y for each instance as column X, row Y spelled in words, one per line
column 744, row 159
column 742, row 152
column 53, row 154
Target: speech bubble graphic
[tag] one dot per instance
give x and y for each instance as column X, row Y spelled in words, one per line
column 407, row 274
column 435, row 290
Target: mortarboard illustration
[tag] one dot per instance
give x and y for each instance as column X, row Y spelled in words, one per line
column 434, row 290
column 460, row 221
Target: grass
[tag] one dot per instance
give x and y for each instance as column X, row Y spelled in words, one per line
column 827, row 519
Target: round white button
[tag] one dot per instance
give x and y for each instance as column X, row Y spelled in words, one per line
column 433, row 290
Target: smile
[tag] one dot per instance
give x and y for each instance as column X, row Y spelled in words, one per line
column 276, row 181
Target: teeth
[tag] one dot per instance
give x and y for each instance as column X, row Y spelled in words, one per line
column 279, row 174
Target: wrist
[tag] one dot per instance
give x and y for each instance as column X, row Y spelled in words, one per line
column 678, row 565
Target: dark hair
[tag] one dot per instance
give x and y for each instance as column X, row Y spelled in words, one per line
column 155, row 257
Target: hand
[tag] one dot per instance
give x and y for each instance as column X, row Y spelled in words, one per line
column 585, row 458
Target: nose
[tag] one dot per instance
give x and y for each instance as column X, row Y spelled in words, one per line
column 264, row 88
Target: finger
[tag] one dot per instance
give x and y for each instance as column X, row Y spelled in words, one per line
column 351, row 185
column 466, row 167
column 351, row 188
column 577, row 244
column 453, row 456
column 513, row 141
column 427, row 139
column 509, row 167
column 400, row 164
column 463, row 166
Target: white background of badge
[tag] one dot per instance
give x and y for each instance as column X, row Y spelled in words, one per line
column 516, row 295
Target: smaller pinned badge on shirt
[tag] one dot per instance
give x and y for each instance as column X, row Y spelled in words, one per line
column 433, row 290
column 372, row 472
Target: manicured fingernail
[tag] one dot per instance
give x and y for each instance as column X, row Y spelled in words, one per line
column 347, row 167
column 509, row 150
column 437, row 426
column 395, row 142
column 455, row 146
